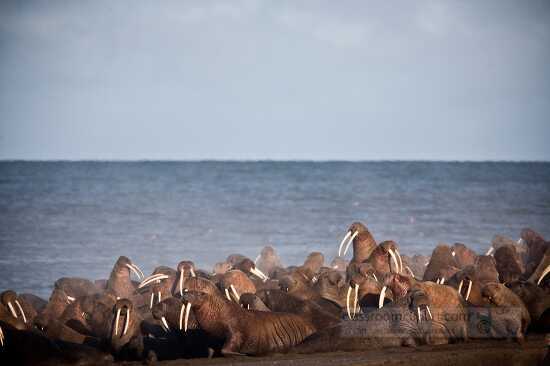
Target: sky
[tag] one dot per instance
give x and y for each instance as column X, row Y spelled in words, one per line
column 281, row 80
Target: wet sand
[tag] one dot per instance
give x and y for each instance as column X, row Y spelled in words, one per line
column 472, row 353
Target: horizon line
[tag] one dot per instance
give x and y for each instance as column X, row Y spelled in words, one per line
column 266, row 161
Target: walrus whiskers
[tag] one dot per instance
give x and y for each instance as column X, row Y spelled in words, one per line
column 544, row 273
column 117, row 320
column 21, row 310
column 381, row 299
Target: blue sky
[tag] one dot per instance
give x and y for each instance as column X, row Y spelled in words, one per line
column 320, row 80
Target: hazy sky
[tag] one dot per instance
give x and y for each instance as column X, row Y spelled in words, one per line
column 278, row 80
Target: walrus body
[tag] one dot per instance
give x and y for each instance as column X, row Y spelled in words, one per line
column 247, row 331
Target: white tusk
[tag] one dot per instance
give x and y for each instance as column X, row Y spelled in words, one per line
column 469, row 289
column 460, row 286
column 453, row 253
column 127, row 322
column 165, row 323
column 429, row 312
column 438, row 279
column 116, row 321
column 152, row 299
column 257, row 259
column 21, row 310
column 133, row 269
column 181, row 283
column 259, row 274
column 187, row 310
column 235, row 293
column 490, row 251
column 160, row 297
column 247, row 306
column 381, row 299
column 153, row 278
column 1, row 337
column 342, row 243
column 192, row 272
column 546, row 271
column 227, row 295
column 400, row 260
column 394, row 259
column 442, row 281
column 356, row 299
column 181, row 315
column 347, row 302
column 12, row 309
column 418, row 311
column 70, row 298
column 410, row 271
column 350, row 241
column 376, row 278
column 521, row 241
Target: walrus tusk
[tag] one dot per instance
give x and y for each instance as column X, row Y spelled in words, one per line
column 259, row 274
column 257, row 259
column 165, row 323
column 181, row 315
column 442, row 281
column 349, row 242
column 453, row 253
column 237, row 297
column 375, row 278
column 116, row 320
column 1, row 337
column 410, row 271
column 21, row 310
column 381, row 299
column 490, row 251
column 342, row 243
column 227, row 295
column 394, row 259
column 181, row 282
column 400, row 260
column 355, row 300
column 153, row 278
column 152, row 299
column 429, row 312
column 419, row 317
column 187, row 310
column 546, row 271
column 192, row 272
column 521, row 241
column 347, row 302
column 160, row 297
column 12, row 310
column 469, row 289
column 135, row 269
column 70, row 298
column 127, row 322
column 460, row 286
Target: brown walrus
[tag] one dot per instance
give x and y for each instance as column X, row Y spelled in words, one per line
column 246, row 331
column 16, row 311
column 508, row 263
column 442, row 265
column 536, row 247
column 234, row 283
column 268, row 261
column 463, row 255
column 537, row 302
column 119, row 282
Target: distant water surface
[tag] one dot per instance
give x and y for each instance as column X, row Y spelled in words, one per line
column 75, row 218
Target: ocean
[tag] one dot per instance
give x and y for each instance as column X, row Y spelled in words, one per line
column 75, row 218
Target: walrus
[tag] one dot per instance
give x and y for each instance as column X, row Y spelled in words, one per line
column 36, row 302
column 259, row 278
column 497, row 294
column 537, row 302
column 268, row 261
column 540, row 274
column 463, row 255
column 364, row 291
column 281, row 302
column 16, row 311
column 339, row 264
column 468, row 285
column 246, row 331
column 536, row 247
column 234, row 283
column 384, row 259
column 331, row 286
column 296, row 285
column 76, row 287
column 119, row 281
column 415, row 266
column 363, row 242
column 252, row 302
column 442, row 264
column 508, row 263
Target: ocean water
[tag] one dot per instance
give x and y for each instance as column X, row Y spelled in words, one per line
column 75, row 218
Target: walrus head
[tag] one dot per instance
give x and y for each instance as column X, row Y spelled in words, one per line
column 362, row 284
column 16, row 313
column 355, row 229
column 125, row 324
column 173, row 313
column 124, row 266
column 252, row 302
column 398, row 284
column 463, row 255
column 248, row 266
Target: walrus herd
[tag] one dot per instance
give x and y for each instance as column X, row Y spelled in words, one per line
column 380, row 298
